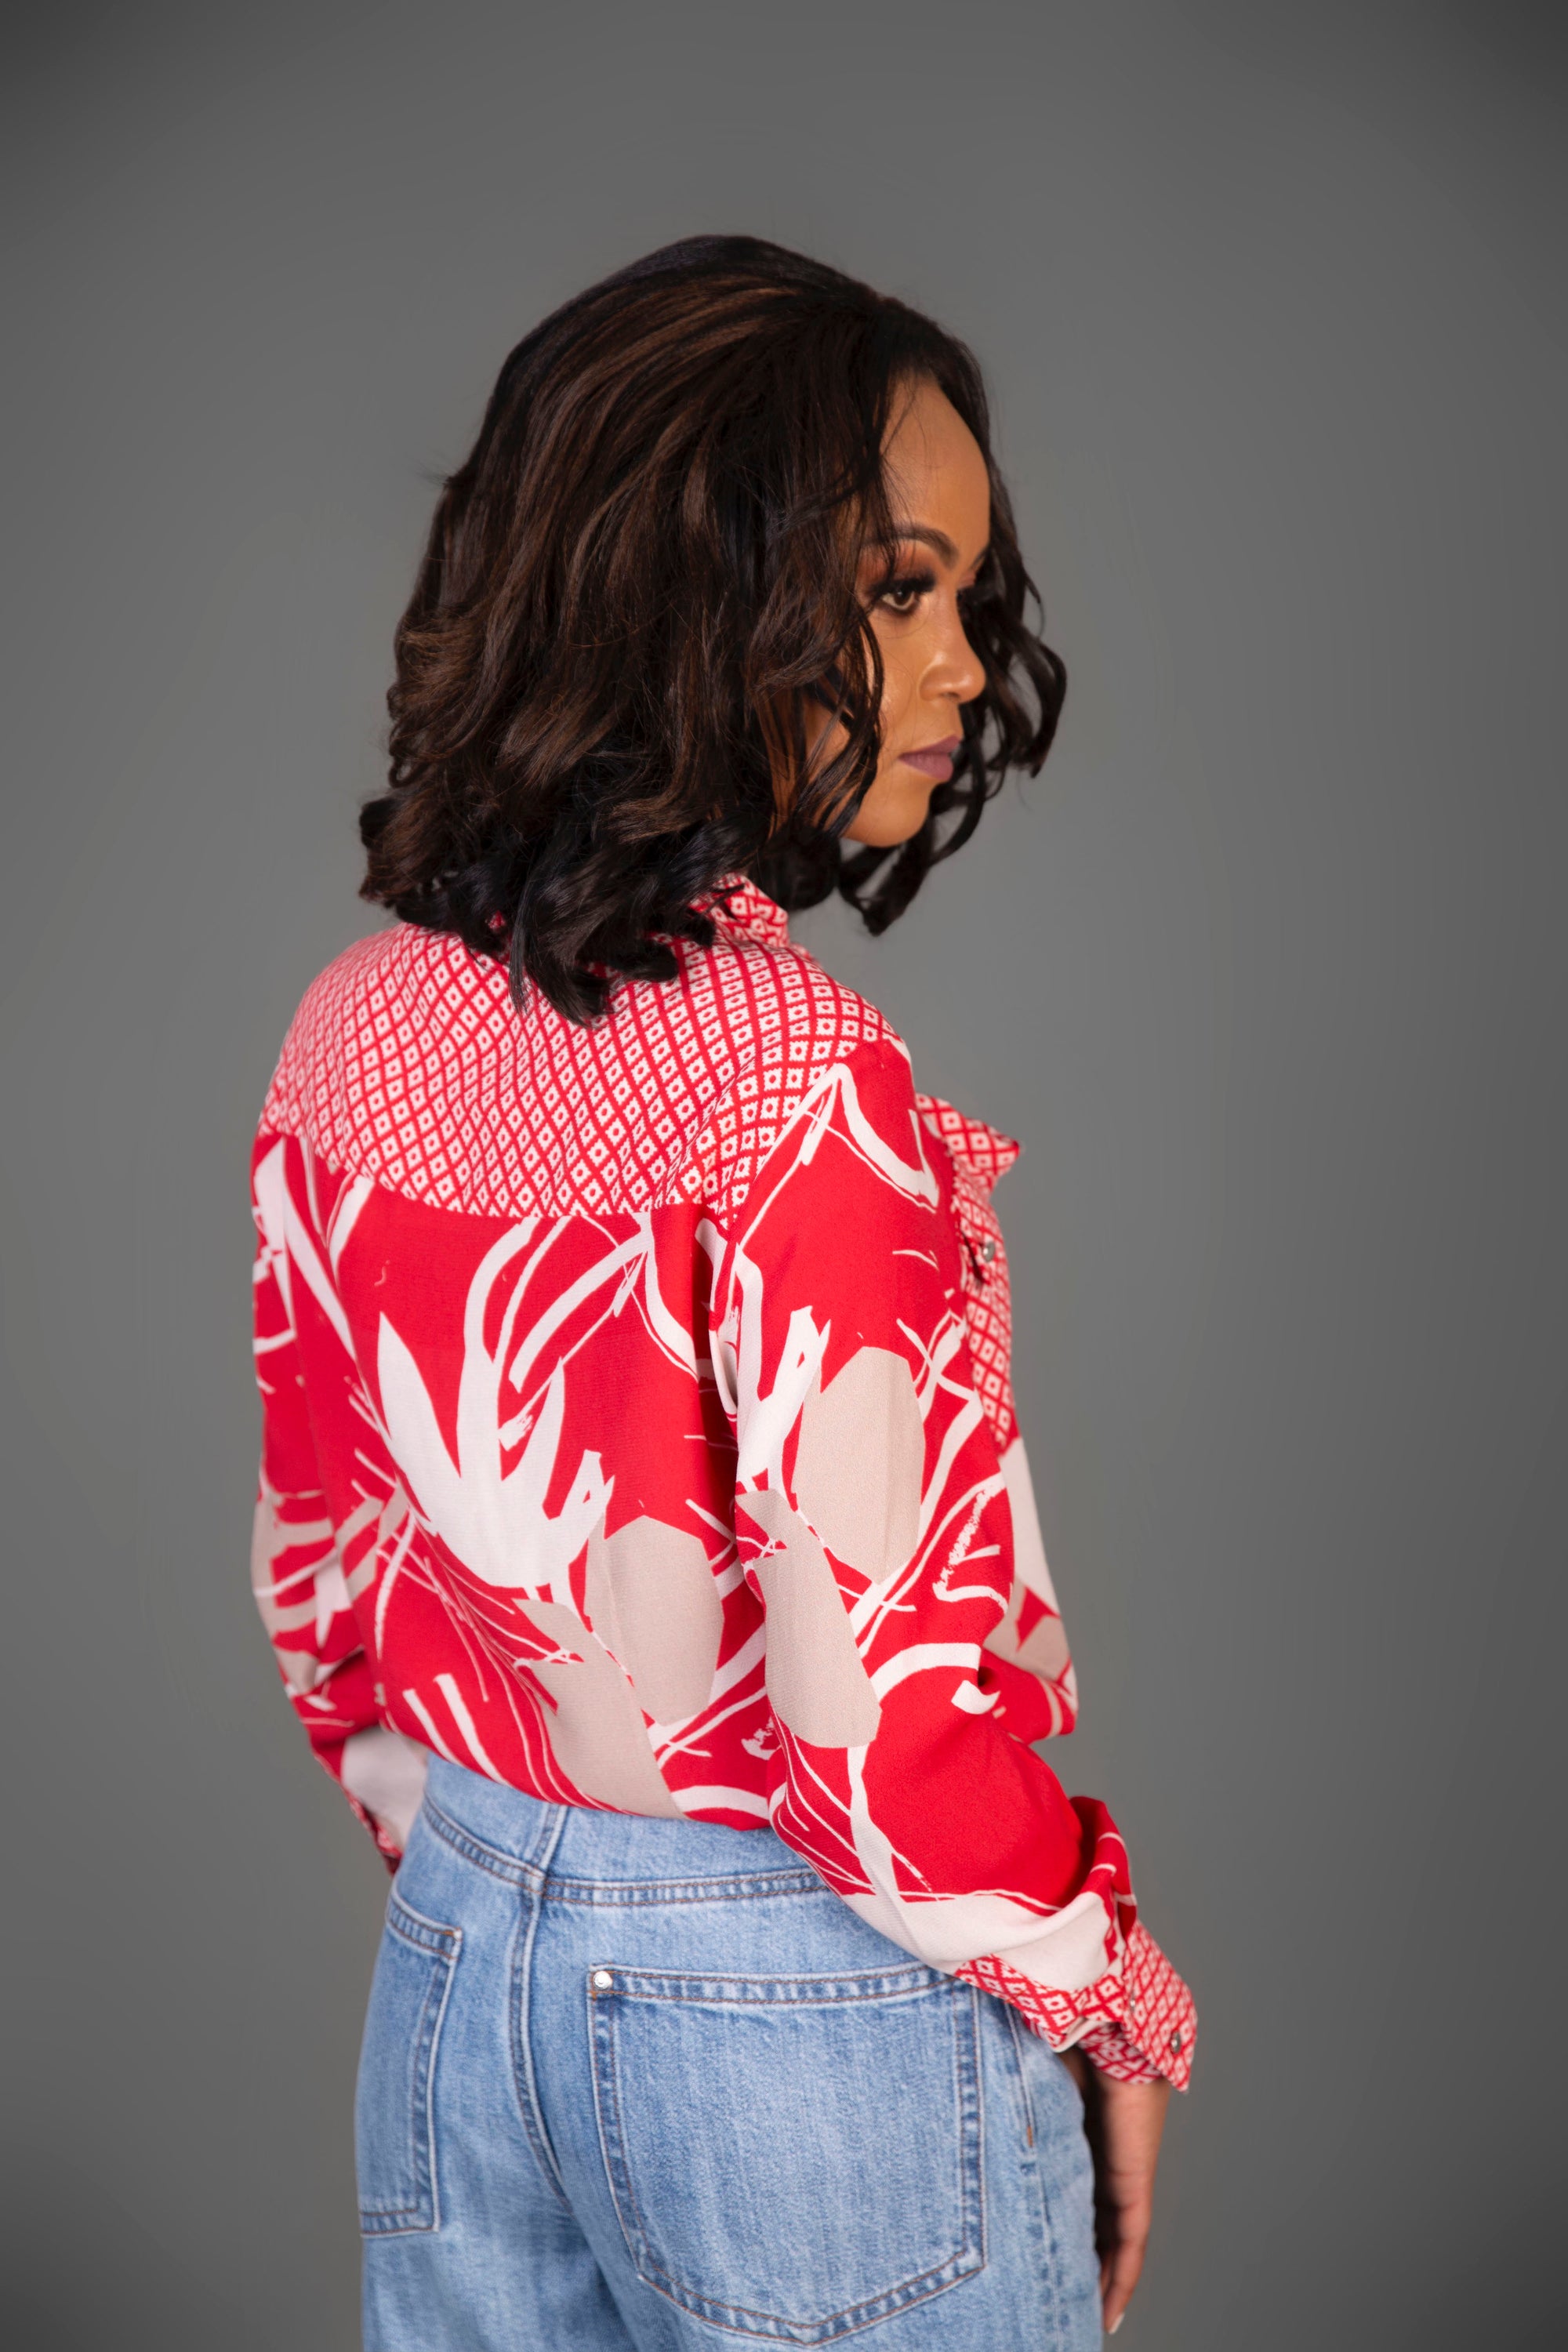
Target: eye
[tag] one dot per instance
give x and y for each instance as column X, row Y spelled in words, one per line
column 900, row 594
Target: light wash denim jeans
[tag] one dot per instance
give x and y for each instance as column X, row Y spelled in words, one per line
column 648, row 2084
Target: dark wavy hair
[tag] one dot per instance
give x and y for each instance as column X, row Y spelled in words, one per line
column 633, row 590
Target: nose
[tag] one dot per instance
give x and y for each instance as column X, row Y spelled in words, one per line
column 956, row 671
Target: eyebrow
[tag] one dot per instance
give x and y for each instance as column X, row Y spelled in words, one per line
column 927, row 535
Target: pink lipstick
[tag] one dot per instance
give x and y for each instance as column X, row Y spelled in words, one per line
column 935, row 759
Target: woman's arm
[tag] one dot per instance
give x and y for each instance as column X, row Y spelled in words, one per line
column 298, row 1571
column 874, row 1522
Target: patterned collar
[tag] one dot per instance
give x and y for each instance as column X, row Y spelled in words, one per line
column 746, row 914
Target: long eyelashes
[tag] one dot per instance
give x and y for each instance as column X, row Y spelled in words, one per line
column 900, row 594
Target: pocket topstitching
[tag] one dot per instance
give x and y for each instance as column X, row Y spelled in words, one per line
column 394, row 2112
column 791, row 2158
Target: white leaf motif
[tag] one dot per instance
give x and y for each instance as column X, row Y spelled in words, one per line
column 496, row 1524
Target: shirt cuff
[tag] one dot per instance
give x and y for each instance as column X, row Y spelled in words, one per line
column 1138, row 2026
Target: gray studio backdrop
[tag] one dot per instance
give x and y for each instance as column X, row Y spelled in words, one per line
column 1266, row 970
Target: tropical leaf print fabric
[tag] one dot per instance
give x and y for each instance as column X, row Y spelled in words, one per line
column 639, row 1432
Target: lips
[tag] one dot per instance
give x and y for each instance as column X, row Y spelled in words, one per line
column 935, row 759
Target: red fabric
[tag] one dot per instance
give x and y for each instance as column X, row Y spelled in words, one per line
column 1145, row 2009
column 640, row 1432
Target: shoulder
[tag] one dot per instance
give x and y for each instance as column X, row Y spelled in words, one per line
column 361, row 1067
column 797, row 1035
column 395, row 978
column 776, row 1003
column 334, row 1005
column 407, row 1062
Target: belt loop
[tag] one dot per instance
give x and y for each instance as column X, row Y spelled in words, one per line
column 548, row 1838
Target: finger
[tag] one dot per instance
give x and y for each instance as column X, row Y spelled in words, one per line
column 1124, row 2266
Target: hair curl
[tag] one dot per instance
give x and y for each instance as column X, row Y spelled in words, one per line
column 634, row 588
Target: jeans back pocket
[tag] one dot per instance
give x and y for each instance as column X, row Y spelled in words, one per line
column 394, row 2106
column 792, row 2157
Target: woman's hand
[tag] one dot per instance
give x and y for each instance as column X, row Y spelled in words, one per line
column 1125, row 2122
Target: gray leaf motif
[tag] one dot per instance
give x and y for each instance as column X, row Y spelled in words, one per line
column 1046, row 1651
column 323, row 1592
column 816, row 1683
column 596, row 1731
column 650, row 1593
column 858, row 1463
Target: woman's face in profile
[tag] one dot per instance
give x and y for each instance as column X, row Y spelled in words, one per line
column 939, row 494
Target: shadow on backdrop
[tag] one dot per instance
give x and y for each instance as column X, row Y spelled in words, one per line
column 1266, row 971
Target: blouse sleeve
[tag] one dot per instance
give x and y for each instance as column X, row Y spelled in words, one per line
column 297, row 1559
column 874, row 1522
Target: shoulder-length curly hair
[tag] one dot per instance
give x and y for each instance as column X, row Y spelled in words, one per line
column 646, row 570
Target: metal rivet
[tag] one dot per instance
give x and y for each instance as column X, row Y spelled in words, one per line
column 603, row 1979
column 1175, row 2041
column 988, row 1252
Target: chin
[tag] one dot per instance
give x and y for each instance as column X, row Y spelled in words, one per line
column 885, row 826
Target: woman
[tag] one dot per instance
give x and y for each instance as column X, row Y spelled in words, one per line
column 643, row 1533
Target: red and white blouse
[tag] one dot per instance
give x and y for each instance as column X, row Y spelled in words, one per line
column 640, row 1432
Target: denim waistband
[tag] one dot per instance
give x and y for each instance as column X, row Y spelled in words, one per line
column 577, row 1854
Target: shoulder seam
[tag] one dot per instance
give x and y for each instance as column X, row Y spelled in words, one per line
column 729, row 1219
column 402, row 1066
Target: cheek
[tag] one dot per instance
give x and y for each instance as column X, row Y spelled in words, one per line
column 899, row 672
